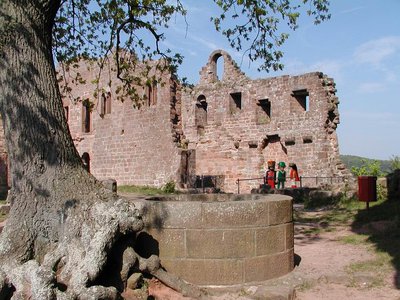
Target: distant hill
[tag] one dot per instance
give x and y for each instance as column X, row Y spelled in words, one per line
column 357, row 161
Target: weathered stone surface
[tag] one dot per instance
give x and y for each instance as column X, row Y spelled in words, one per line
column 220, row 243
column 270, row 240
column 205, row 272
column 135, row 281
column 272, row 266
column 229, row 126
column 230, row 236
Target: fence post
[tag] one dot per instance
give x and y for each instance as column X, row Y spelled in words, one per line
column 237, row 182
column 301, row 182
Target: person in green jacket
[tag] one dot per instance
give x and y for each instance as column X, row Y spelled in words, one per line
column 281, row 175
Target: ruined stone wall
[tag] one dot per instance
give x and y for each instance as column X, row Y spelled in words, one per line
column 138, row 146
column 235, row 124
column 227, row 127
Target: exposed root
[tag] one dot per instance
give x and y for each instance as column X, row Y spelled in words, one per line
column 74, row 268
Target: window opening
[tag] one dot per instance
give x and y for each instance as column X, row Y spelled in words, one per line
column 86, row 115
column 201, row 113
column 151, row 93
column 66, row 112
column 263, row 112
column 86, row 161
column 235, row 103
column 302, row 100
column 220, row 68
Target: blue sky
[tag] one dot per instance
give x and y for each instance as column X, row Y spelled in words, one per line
column 359, row 47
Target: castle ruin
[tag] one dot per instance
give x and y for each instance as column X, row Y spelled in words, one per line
column 227, row 127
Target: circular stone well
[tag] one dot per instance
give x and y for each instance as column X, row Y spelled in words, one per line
column 219, row 239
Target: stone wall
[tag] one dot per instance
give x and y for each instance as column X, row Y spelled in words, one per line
column 235, row 124
column 227, row 127
column 219, row 239
column 134, row 145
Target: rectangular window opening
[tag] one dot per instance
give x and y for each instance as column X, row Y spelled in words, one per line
column 302, row 100
column 87, row 116
column 235, row 103
column 263, row 111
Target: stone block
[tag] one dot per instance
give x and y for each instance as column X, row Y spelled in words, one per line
column 207, row 271
column 165, row 243
column 234, row 243
column 172, row 214
column 268, row 266
column 289, row 236
column 280, row 211
column 235, row 214
column 270, row 240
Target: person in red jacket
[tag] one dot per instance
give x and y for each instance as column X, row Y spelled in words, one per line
column 271, row 174
column 294, row 175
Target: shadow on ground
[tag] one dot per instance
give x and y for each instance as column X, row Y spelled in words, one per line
column 381, row 223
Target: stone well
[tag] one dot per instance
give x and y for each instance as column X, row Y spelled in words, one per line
column 220, row 239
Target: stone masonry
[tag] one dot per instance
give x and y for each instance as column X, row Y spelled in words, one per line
column 235, row 124
column 227, row 127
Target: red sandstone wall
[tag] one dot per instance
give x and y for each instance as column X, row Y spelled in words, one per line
column 131, row 145
column 238, row 143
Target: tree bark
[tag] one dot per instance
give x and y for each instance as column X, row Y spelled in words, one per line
column 63, row 223
column 41, row 152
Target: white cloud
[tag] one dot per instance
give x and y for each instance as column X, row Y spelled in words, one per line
column 376, row 51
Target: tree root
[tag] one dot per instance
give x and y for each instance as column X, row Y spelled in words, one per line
column 72, row 269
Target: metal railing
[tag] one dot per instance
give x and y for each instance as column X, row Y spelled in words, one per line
column 314, row 180
column 203, row 182
column 247, row 179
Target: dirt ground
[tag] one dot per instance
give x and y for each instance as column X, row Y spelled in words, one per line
column 323, row 269
column 325, row 266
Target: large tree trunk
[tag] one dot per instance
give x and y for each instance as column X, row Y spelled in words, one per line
column 64, row 225
column 43, row 160
column 62, row 221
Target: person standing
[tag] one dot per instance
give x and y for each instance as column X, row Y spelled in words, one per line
column 293, row 175
column 271, row 174
column 281, row 176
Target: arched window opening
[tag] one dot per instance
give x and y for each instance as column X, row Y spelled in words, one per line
column 201, row 113
column 105, row 104
column 151, row 93
column 87, row 116
column 218, row 71
column 86, row 161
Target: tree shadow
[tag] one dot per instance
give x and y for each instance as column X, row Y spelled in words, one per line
column 382, row 226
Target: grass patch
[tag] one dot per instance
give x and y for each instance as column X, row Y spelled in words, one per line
column 355, row 239
column 147, row 190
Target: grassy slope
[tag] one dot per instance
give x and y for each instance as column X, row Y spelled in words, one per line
column 357, row 161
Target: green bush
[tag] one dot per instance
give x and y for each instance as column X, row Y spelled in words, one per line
column 169, row 187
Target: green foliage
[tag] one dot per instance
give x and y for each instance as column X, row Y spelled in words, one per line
column 143, row 190
column 92, row 29
column 169, row 187
column 368, row 168
column 357, row 161
column 394, row 163
column 258, row 28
